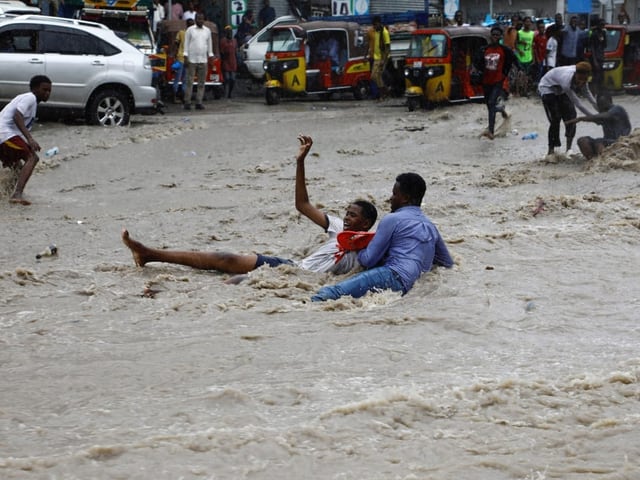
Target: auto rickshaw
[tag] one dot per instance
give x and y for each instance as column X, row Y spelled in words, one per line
column 622, row 58
column 438, row 65
column 162, row 62
column 316, row 58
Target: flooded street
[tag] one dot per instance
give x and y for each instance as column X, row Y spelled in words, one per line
column 521, row 362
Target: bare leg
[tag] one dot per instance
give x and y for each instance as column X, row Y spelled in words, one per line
column 23, row 178
column 584, row 144
column 223, row 262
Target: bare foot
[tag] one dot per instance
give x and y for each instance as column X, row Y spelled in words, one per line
column 19, row 201
column 137, row 249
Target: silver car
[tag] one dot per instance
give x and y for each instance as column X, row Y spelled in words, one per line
column 95, row 74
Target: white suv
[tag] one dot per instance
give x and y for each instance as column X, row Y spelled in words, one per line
column 16, row 7
column 255, row 49
column 95, row 73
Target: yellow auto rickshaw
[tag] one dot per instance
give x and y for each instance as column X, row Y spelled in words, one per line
column 438, row 65
column 316, row 58
column 622, row 58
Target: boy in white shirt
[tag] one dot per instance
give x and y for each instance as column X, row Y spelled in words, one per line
column 16, row 143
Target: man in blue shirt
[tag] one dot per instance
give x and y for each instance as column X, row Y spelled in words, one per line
column 406, row 244
column 570, row 48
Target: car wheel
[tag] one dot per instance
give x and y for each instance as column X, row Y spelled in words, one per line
column 108, row 108
column 361, row 91
column 272, row 95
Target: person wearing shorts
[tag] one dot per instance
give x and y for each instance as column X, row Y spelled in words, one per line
column 361, row 215
column 615, row 124
column 18, row 149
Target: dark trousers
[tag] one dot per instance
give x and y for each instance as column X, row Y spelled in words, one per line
column 597, row 79
column 491, row 95
column 559, row 108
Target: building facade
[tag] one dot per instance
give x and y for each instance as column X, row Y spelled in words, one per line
column 475, row 11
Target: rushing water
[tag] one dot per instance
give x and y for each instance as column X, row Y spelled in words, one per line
column 521, row 362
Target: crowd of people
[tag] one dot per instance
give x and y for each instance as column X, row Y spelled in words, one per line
column 554, row 60
column 540, row 48
column 406, row 243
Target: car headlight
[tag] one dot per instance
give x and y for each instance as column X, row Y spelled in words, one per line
column 290, row 64
column 609, row 65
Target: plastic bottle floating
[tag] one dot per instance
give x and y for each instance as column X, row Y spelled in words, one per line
column 51, row 152
column 50, row 251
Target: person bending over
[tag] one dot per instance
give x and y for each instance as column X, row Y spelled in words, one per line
column 361, row 215
column 559, row 89
column 406, row 244
column 16, row 143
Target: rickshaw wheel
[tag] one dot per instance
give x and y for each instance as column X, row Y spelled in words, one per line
column 361, row 91
column 272, row 96
column 413, row 103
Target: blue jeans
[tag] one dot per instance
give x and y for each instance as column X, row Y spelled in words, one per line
column 380, row 278
column 180, row 76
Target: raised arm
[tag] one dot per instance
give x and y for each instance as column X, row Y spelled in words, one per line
column 303, row 205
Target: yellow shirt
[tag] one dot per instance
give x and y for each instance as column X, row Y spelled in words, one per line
column 374, row 44
column 180, row 42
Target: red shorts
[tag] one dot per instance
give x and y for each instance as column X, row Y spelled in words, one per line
column 14, row 150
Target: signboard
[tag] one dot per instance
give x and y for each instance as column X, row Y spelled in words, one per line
column 349, row 7
column 578, row 6
column 450, row 8
column 237, row 8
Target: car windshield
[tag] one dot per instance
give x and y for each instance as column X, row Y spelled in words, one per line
column 133, row 29
column 284, row 41
column 434, row 45
column 613, row 40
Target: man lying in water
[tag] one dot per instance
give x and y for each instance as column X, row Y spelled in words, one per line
column 361, row 215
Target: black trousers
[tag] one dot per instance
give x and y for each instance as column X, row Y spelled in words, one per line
column 559, row 108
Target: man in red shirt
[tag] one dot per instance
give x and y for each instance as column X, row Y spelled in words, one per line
column 229, row 52
column 540, row 49
column 495, row 61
